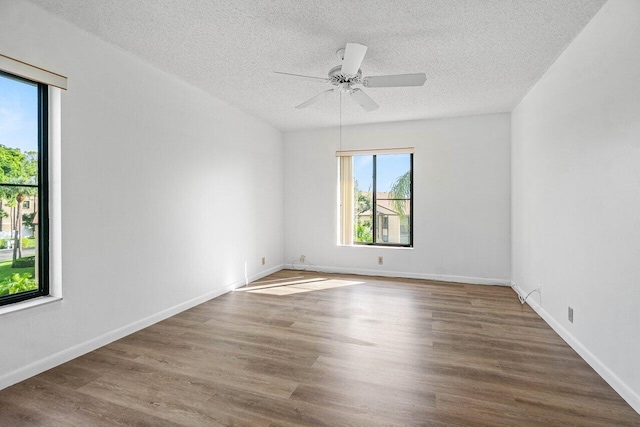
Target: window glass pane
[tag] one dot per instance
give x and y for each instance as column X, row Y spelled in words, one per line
column 363, row 194
column 18, row 131
column 18, row 238
column 392, row 174
column 393, row 195
column 393, row 221
column 19, row 128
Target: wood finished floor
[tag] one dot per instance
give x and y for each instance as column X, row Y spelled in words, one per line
column 330, row 350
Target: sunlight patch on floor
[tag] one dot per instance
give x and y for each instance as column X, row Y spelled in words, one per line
column 280, row 280
column 301, row 286
column 256, row 285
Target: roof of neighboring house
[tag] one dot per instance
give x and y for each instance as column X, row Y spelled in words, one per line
column 381, row 210
column 385, row 206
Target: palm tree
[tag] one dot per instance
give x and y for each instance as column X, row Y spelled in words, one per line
column 3, row 214
column 400, row 190
column 18, row 194
column 17, row 247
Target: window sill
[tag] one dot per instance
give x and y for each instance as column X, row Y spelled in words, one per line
column 376, row 246
column 24, row 305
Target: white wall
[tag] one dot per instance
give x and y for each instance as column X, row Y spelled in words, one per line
column 576, row 195
column 461, row 199
column 166, row 193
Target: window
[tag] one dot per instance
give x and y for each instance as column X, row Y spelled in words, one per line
column 376, row 198
column 23, row 189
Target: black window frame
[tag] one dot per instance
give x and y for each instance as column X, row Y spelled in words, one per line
column 374, row 201
column 43, row 195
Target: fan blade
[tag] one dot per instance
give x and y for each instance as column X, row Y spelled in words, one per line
column 353, row 56
column 397, row 80
column 315, row 99
column 304, row 77
column 363, row 99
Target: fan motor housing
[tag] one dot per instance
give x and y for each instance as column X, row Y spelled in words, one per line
column 338, row 79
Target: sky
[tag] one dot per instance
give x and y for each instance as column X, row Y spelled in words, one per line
column 18, row 114
column 389, row 168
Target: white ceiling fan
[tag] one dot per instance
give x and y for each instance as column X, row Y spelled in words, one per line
column 345, row 76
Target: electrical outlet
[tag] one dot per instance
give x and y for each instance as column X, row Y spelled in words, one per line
column 302, row 258
column 380, row 260
column 264, row 260
column 570, row 314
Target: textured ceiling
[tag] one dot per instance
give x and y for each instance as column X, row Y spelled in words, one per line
column 480, row 56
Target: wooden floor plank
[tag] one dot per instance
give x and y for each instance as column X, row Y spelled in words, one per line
column 304, row 349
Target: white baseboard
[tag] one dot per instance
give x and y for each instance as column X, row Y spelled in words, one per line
column 262, row 274
column 78, row 350
column 402, row 274
column 630, row 396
